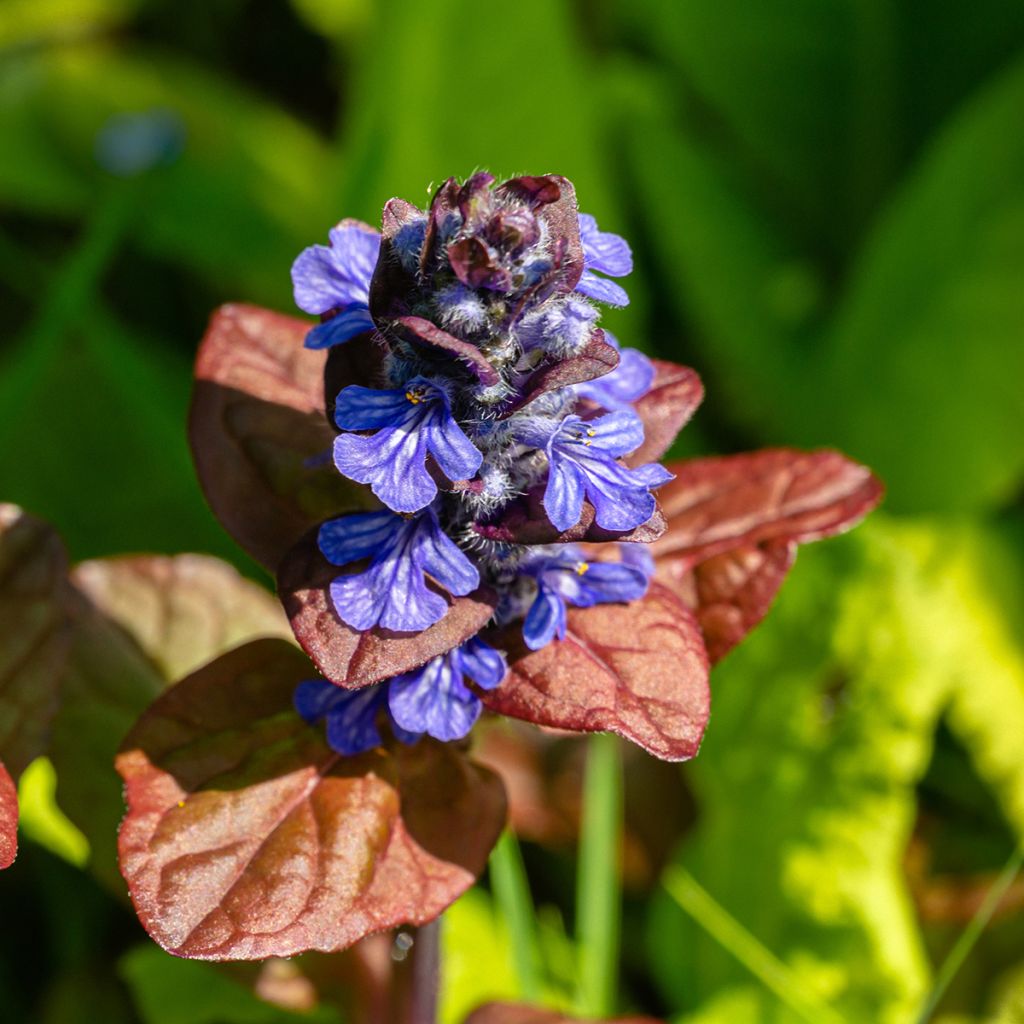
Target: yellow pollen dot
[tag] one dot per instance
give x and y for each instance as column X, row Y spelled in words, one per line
column 181, row 803
column 582, row 567
column 591, row 432
column 414, row 396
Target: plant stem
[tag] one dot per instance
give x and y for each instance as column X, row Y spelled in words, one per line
column 970, row 935
column 426, row 971
column 598, row 900
column 747, row 949
column 512, row 893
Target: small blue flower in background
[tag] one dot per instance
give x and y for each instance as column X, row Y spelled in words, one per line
column 565, row 578
column 582, row 463
column 435, row 699
column 337, row 278
column 411, row 422
column 351, row 714
column 630, row 380
column 608, row 253
column 392, row 591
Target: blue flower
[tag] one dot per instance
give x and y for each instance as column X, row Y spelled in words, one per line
column 582, row 462
column 566, row 578
column 435, row 699
column 392, row 591
column 411, row 422
column 336, row 278
column 351, row 714
column 630, row 380
column 607, row 253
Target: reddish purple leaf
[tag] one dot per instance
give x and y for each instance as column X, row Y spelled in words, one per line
column 733, row 526
column 715, row 505
column 34, row 634
column 676, row 393
column 553, row 198
column 519, row 1013
column 259, row 439
column 731, row 592
column 419, row 330
column 639, row 670
column 181, row 610
column 595, row 360
column 525, row 522
column 247, row 837
column 358, row 361
column 345, row 655
column 8, row 819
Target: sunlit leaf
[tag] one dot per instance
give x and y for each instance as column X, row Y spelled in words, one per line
column 354, row 658
column 42, row 820
column 639, row 670
column 182, row 610
column 520, row 1013
column 8, row 819
column 259, row 437
column 247, row 837
column 733, row 527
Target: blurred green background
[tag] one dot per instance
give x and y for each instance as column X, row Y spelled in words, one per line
column 826, row 204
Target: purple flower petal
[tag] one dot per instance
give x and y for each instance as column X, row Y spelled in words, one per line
column 392, row 591
column 341, row 328
column 603, row 250
column 602, row 289
column 338, row 275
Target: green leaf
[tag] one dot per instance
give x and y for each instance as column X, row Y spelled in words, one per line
column 167, row 990
column 920, row 376
column 245, row 166
column 42, row 820
column 823, row 727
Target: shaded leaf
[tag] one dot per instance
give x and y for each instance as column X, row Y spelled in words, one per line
column 8, row 819
column 674, row 396
column 107, row 683
column 595, row 360
column 524, row 521
column 717, row 504
column 520, row 1013
column 258, row 435
column 417, row 330
column 358, row 361
column 167, row 990
column 352, row 658
column 182, row 610
column 33, row 634
column 639, row 670
column 247, row 837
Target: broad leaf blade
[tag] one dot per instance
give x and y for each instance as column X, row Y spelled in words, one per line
column 639, row 670
column 674, row 397
column 33, row 634
column 8, row 819
column 258, row 435
column 731, row 592
column 718, row 504
column 352, row 658
column 182, row 610
column 247, row 837
column 520, row 1013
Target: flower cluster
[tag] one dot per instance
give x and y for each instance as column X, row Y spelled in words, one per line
column 496, row 434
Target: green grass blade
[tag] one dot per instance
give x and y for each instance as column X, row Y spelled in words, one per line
column 598, row 900
column 748, row 950
column 511, row 890
column 963, row 946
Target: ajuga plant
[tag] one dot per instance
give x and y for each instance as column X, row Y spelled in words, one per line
column 454, row 474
